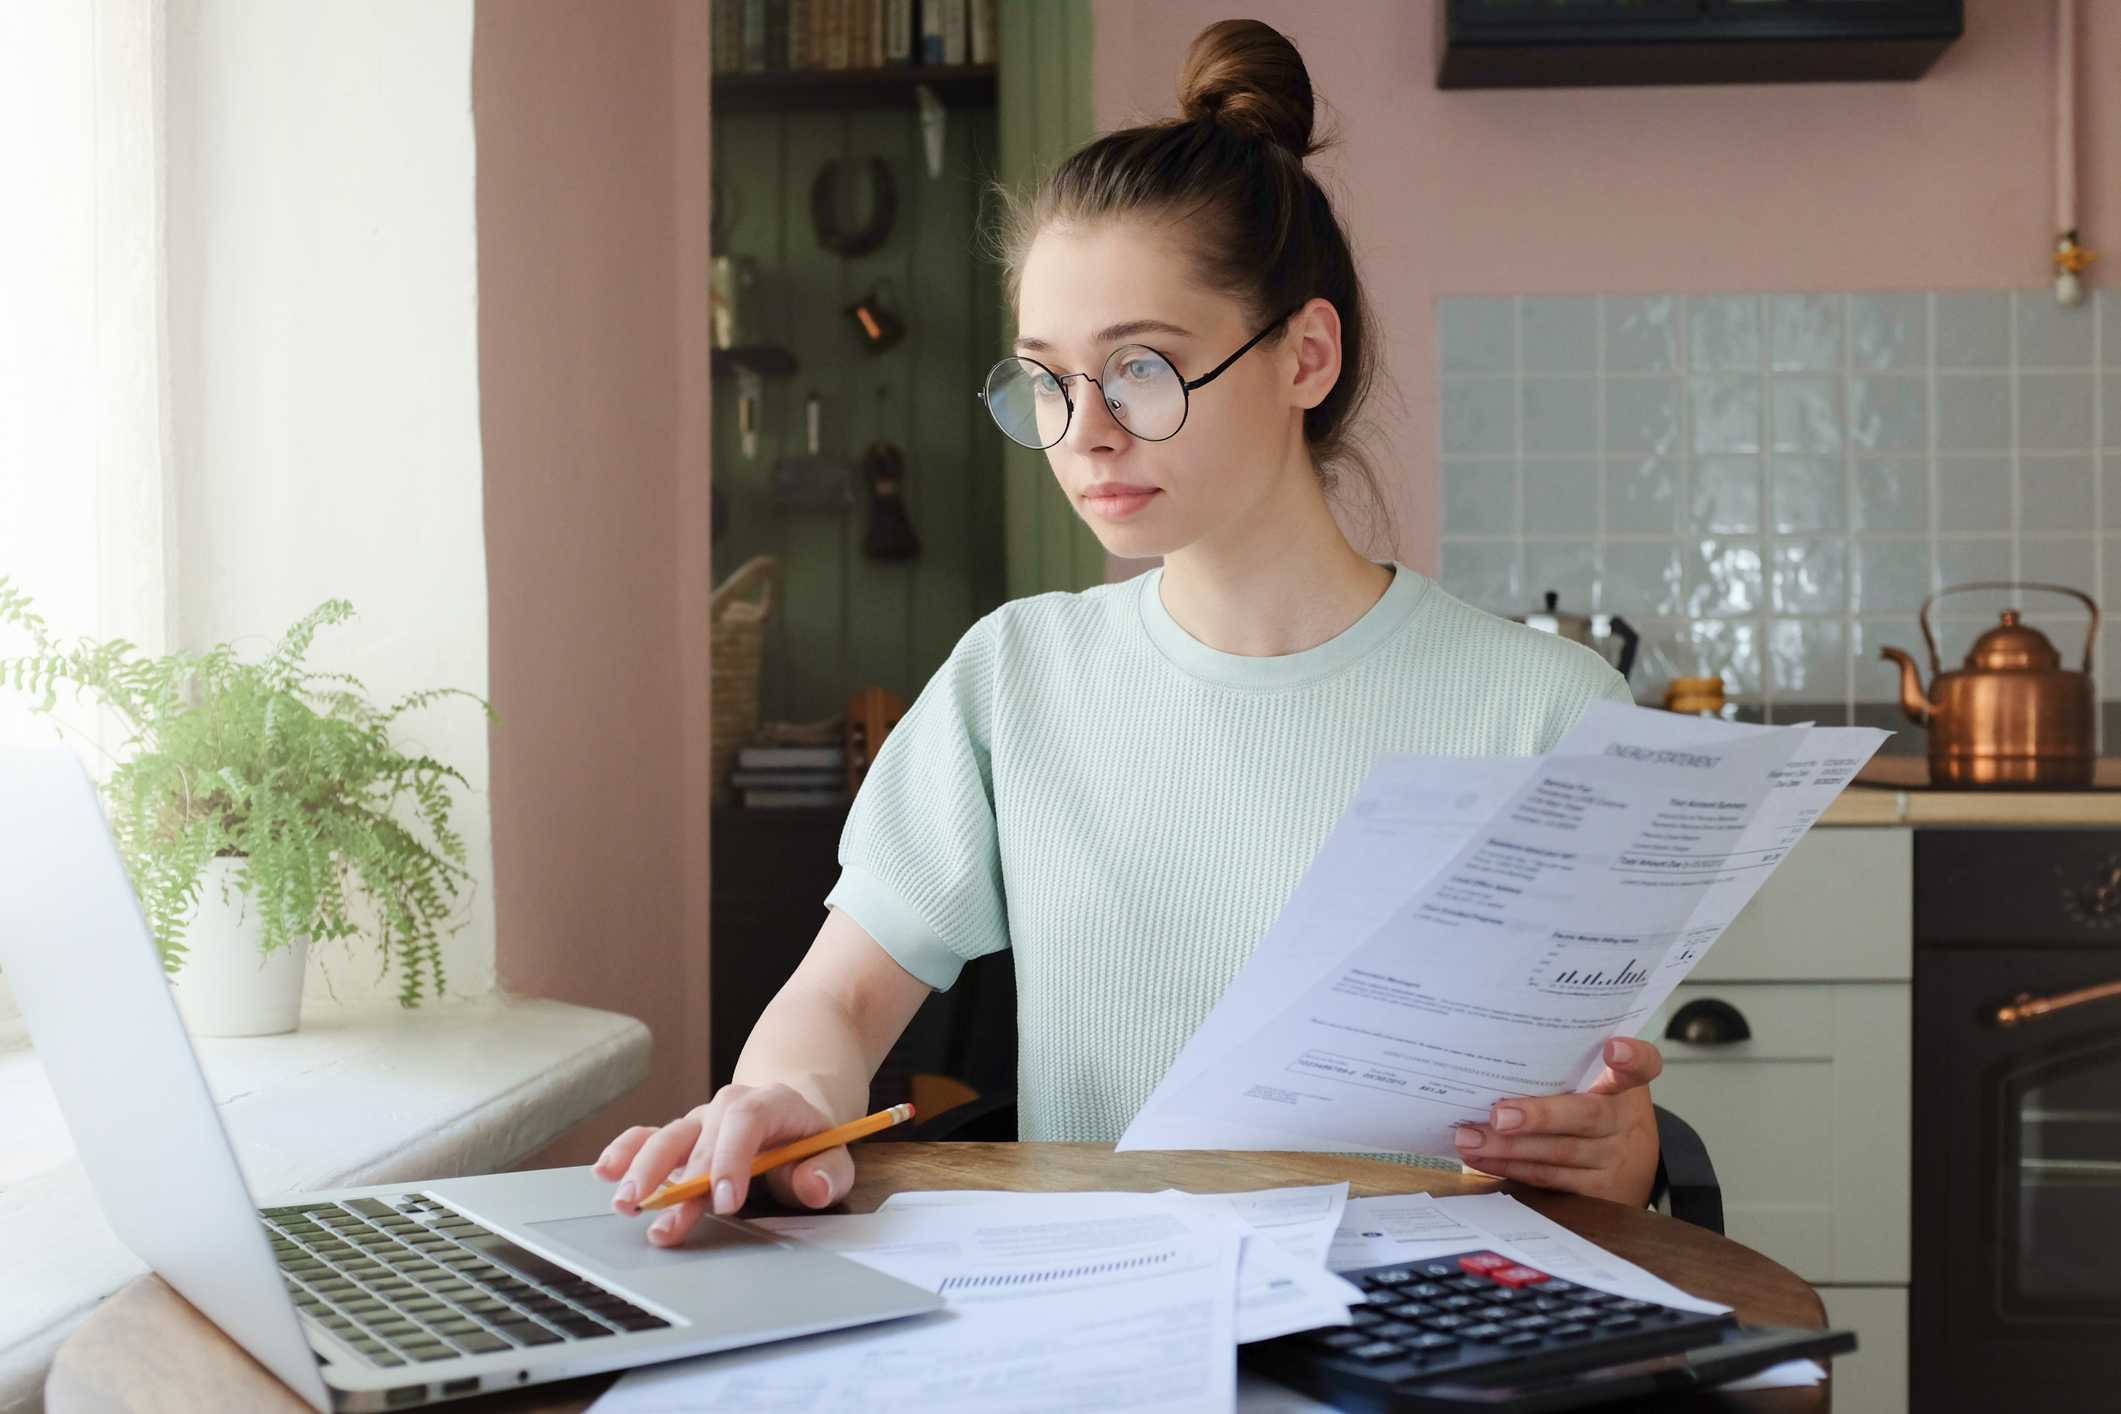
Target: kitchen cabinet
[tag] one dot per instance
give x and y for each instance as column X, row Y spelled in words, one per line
column 1840, row 908
column 1808, row 1121
column 1874, row 1379
column 1578, row 43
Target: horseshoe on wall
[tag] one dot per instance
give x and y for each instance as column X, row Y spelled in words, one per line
column 824, row 210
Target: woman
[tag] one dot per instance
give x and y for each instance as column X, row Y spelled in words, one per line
column 1124, row 785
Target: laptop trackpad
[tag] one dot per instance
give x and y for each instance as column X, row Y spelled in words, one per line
column 621, row 1244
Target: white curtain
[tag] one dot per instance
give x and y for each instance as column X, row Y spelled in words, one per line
column 86, row 511
column 252, row 222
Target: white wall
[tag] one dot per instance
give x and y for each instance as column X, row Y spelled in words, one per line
column 323, row 331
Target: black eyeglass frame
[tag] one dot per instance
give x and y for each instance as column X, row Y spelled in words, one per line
column 1185, row 388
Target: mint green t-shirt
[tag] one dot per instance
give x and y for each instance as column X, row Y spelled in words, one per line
column 1129, row 809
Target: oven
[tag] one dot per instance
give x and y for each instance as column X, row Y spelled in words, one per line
column 2015, row 1297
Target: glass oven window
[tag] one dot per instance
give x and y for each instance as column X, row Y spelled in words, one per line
column 2061, row 1187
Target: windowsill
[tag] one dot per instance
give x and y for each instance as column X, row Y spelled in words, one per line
column 359, row 1095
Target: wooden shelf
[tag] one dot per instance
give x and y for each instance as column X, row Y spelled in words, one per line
column 845, row 90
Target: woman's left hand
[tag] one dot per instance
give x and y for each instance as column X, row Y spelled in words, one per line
column 1602, row 1143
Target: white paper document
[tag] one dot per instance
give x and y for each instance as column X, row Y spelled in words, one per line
column 1282, row 1282
column 1099, row 1305
column 1476, row 929
column 1400, row 1227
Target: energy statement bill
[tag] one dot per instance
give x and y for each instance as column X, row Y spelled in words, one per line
column 1427, row 967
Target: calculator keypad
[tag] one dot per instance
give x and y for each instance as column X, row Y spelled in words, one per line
column 1448, row 1316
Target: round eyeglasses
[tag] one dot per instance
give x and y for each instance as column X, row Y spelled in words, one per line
column 1142, row 389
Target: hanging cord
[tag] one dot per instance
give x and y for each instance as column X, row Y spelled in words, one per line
column 2069, row 258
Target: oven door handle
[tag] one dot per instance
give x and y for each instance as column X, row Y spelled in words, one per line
column 2027, row 1007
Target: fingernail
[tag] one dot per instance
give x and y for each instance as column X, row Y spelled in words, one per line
column 1468, row 1136
column 725, row 1196
column 664, row 1225
column 1508, row 1119
column 628, row 1192
column 1619, row 1052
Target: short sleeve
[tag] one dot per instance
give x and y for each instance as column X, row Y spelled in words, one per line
column 920, row 866
column 1575, row 677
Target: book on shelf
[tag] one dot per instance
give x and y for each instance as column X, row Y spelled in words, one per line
column 758, row 36
column 861, row 34
column 790, row 758
column 788, row 780
column 954, row 26
column 899, row 45
column 829, row 22
column 728, row 38
column 779, row 45
column 754, row 44
column 931, row 32
column 793, row 799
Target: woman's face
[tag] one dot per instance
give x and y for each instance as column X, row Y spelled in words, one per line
column 1084, row 294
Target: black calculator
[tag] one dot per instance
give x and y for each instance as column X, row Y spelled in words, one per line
column 1477, row 1330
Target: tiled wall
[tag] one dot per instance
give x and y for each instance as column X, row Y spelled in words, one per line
column 1766, row 486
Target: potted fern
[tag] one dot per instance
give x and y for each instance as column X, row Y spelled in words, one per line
column 259, row 805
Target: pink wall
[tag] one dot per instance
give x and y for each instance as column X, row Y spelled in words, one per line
column 1940, row 184
column 592, row 208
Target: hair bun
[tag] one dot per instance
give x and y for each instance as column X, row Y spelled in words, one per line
column 1247, row 78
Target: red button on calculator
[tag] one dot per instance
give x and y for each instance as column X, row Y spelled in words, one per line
column 1484, row 1263
column 1517, row 1276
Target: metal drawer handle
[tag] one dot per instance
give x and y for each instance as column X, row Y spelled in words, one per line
column 1706, row 1021
column 2027, row 1007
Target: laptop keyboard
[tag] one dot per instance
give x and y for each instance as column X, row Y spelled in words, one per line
column 411, row 1281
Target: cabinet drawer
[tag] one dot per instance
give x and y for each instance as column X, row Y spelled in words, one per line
column 1807, row 1122
column 1841, row 907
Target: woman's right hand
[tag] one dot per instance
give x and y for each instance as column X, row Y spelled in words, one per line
column 722, row 1137
column 828, row 1028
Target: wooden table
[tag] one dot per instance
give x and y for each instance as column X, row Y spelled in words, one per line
column 147, row 1349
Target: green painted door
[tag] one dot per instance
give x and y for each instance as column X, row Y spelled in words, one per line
column 850, row 621
column 991, row 521
column 1045, row 112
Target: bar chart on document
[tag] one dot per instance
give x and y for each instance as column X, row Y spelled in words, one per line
column 1565, row 918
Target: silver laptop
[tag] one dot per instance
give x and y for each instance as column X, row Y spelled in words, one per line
column 361, row 1298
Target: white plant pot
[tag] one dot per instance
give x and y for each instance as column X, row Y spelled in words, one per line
column 223, row 987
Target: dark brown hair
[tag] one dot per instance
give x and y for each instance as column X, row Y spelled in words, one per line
column 1231, row 168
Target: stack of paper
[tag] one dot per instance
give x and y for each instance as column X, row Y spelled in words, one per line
column 1282, row 1281
column 1119, row 1302
column 1108, row 1301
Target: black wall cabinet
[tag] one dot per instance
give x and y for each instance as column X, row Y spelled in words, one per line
column 1591, row 43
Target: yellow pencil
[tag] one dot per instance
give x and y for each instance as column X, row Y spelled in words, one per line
column 671, row 1193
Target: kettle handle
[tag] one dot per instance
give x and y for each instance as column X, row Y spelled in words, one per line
column 1629, row 642
column 1923, row 614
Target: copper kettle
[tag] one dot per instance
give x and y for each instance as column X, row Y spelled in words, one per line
column 2013, row 716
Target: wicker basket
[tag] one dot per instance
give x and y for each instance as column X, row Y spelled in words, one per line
column 739, row 644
